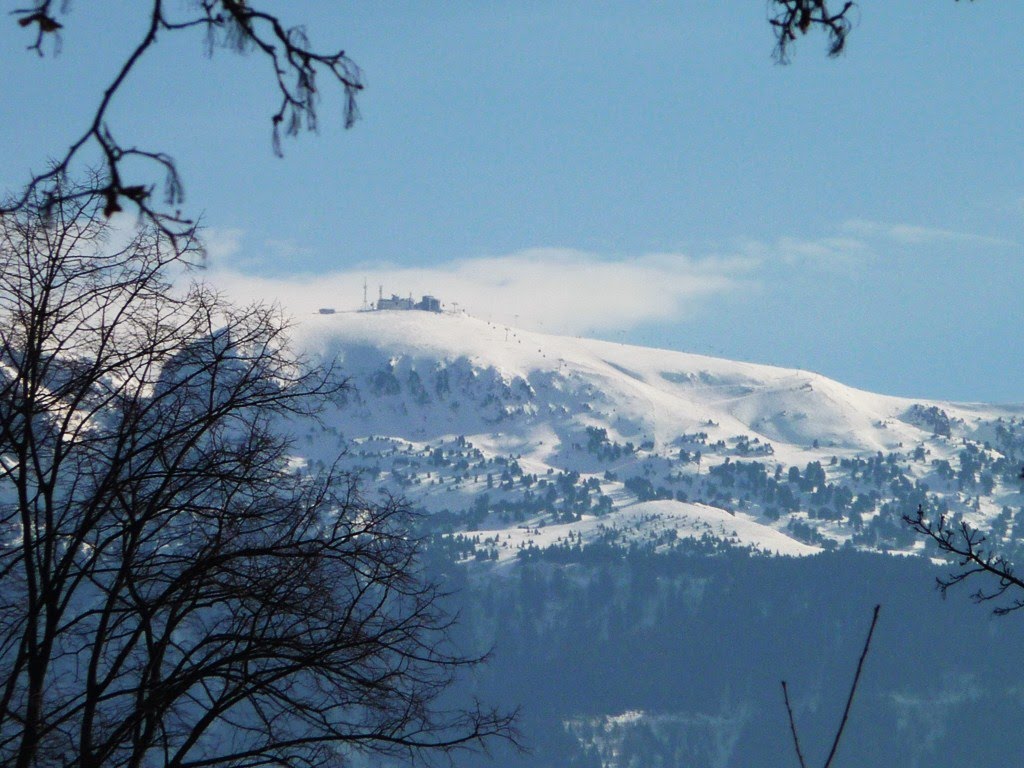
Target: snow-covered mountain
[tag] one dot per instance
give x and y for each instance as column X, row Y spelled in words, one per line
column 531, row 439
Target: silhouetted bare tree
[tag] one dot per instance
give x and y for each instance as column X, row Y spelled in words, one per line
column 174, row 590
column 296, row 68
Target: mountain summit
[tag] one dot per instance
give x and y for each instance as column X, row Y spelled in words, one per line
column 510, row 432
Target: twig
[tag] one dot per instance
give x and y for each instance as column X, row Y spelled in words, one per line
column 849, row 701
column 853, row 688
column 792, row 726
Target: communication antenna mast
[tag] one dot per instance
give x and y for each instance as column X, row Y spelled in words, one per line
column 366, row 304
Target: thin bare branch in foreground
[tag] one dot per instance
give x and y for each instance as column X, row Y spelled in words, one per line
column 846, row 710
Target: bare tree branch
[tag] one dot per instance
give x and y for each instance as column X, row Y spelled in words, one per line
column 792, row 726
column 846, row 710
column 790, row 17
column 853, row 688
column 974, row 556
column 241, row 26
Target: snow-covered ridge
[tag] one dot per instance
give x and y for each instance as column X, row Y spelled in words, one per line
column 425, row 383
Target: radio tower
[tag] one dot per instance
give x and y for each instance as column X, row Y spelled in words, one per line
column 366, row 305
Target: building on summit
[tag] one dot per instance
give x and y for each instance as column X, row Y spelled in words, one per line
column 429, row 304
column 426, row 304
column 395, row 302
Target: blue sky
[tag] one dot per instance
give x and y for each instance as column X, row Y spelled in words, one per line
column 642, row 172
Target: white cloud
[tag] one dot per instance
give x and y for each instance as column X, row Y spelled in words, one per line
column 910, row 234
column 562, row 290
column 557, row 290
column 859, row 241
column 825, row 249
column 222, row 245
column 833, row 253
column 842, row 255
